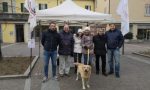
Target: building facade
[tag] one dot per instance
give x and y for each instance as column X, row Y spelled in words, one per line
column 14, row 26
column 13, row 17
column 139, row 15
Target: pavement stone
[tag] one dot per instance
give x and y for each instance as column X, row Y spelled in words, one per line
column 12, row 84
column 134, row 72
column 133, row 77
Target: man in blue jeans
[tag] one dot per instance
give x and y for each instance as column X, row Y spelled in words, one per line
column 114, row 42
column 50, row 41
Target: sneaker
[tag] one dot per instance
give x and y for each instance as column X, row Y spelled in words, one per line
column 67, row 75
column 117, row 75
column 45, row 79
column 61, row 75
column 55, row 78
column 111, row 73
column 104, row 74
column 97, row 72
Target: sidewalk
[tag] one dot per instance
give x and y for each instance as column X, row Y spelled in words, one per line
column 134, row 73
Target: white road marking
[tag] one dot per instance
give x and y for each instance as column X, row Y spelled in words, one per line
column 27, row 85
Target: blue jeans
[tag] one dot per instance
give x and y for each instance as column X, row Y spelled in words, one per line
column 47, row 56
column 86, row 58
column 114, row 57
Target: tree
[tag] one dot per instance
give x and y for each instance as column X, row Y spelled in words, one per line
column 129, row 36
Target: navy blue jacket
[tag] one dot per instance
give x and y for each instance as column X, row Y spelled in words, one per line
column 114, row 39
column 50, row 40
column 66, row 43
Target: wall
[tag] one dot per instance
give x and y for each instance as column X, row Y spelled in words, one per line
column 8, row 33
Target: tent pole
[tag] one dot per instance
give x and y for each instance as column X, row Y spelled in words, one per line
column 123, row 49
column 87, row 24
column 40, row 37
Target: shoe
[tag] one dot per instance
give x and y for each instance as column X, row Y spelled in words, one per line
column 97, row 72
column 75, row 71
column 61, row 75
column 44, row 79
column 55, row 78
column 117, row 75
column 104, row 74
column 67, row 75
column 111, row 73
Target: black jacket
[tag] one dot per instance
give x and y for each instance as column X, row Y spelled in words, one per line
column 99, row 44
column 50, row 40
column 115, row 39
column 66, row 43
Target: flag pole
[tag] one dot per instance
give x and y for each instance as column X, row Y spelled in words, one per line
column 122, row 11
column 30, row 54
column 30, row 61
column 30, row 6
column 123, row 48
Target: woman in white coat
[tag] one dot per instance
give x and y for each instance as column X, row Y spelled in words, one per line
column 77, row 47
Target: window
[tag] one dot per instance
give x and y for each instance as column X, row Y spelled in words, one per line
column 23, row 9
column 147, row 9
column 1, row 9
column 88, row 7
column 42, row 6
column 5, row 6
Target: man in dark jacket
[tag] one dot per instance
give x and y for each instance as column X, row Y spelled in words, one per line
column 65, row 50
column 100, row 51
column 114, row 42
column 50, row 41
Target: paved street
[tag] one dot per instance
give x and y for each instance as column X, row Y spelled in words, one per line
column 134, row 72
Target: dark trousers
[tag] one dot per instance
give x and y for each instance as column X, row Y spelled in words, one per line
column 103, row 58
column 77, row 58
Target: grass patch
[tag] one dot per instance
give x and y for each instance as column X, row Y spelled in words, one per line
column 14, row 65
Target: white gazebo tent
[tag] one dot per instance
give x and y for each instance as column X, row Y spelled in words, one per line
column 69, row 11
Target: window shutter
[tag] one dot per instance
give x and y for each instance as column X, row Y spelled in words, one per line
column 22, row 6
column 39, row 6
column 45, row 6
column 5, row 7
column 86, row 7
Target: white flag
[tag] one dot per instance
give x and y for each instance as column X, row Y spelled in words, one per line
column 30, row 6
column 122, row 10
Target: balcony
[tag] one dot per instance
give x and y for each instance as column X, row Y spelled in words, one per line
column 13, row 17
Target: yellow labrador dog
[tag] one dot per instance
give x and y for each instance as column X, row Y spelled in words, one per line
column 85, row 72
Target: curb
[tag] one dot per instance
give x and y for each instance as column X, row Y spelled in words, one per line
column 25, row 75
column 136, row 53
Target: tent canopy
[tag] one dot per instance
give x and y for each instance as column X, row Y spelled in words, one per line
column 69, row 11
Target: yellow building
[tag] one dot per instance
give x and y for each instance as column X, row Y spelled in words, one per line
column 139, row 15
column 13, row 18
